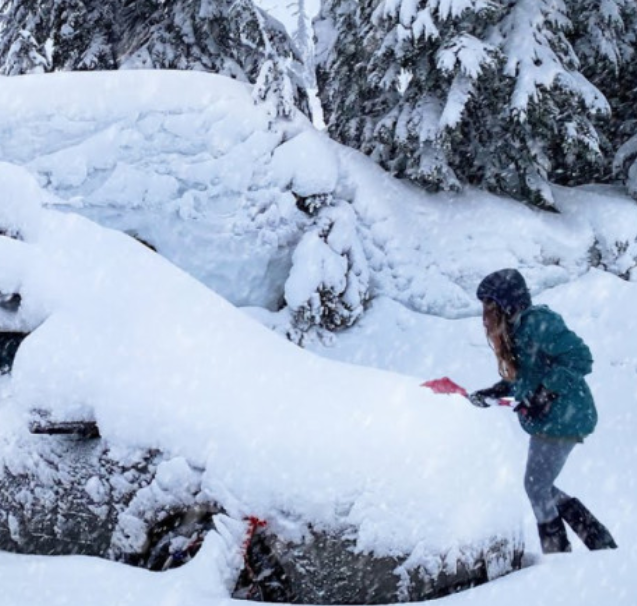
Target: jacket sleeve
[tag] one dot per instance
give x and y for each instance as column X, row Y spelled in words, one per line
column 502, row 389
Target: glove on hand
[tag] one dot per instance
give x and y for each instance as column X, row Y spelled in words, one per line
column 477, row 398
column 537, row 405
column 499, row 390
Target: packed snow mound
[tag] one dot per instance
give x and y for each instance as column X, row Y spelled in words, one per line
column 160, row 361
column 190, row 164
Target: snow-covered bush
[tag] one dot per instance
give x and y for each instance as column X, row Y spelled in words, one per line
column 20, row 204
column 328, row 284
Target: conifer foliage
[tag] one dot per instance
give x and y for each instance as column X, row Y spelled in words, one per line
column 82, row 35
column 625, row 164
column 231, row 37
column 605, row 34
column 304, row 39
column 21, row 49
column 492, row 93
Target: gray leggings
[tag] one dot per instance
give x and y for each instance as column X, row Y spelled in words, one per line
column 545, row 462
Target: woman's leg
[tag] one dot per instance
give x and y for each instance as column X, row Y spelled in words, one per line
column 545, row 461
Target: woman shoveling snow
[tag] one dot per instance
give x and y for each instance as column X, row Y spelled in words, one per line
column 542, row 364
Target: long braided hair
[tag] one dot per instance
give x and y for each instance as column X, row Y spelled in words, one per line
column 498, row 326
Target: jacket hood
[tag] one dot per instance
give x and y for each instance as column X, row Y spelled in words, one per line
column 507, row 288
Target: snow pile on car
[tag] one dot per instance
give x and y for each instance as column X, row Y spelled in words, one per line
column 121, row 336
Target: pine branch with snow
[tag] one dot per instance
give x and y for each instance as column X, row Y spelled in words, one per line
column 23, row 36
column 273, row 88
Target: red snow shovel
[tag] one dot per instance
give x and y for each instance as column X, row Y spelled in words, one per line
column 446, row 385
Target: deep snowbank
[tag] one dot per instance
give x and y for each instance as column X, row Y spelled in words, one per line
column 189, row 163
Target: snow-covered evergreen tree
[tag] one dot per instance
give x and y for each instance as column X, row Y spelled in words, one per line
column 624, row 134
column 552, row 106
column 602, row 35
column 39, row 35
column 23, row 33
column 328, row 284
column 25, row 56
column 229, row 37
column 101, row 48
column 461, row 91
column 429, row 59
column 82, row 34
column 273, row 87
column 621, row 88
column 341, row 71
column 625, row 165
column 167, row 35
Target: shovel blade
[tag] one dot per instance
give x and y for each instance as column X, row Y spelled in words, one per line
column 445, row 385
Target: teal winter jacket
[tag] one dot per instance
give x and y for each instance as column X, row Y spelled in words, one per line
column 550, row 354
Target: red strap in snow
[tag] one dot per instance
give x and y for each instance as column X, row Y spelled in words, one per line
column 253, row 524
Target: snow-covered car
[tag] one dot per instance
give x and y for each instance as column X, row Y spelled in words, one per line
column 144, row 414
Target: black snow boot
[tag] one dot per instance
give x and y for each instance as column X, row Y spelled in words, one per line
column 553, row 536
column 586, row 526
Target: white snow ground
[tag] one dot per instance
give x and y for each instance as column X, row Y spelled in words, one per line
column 122, row 148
